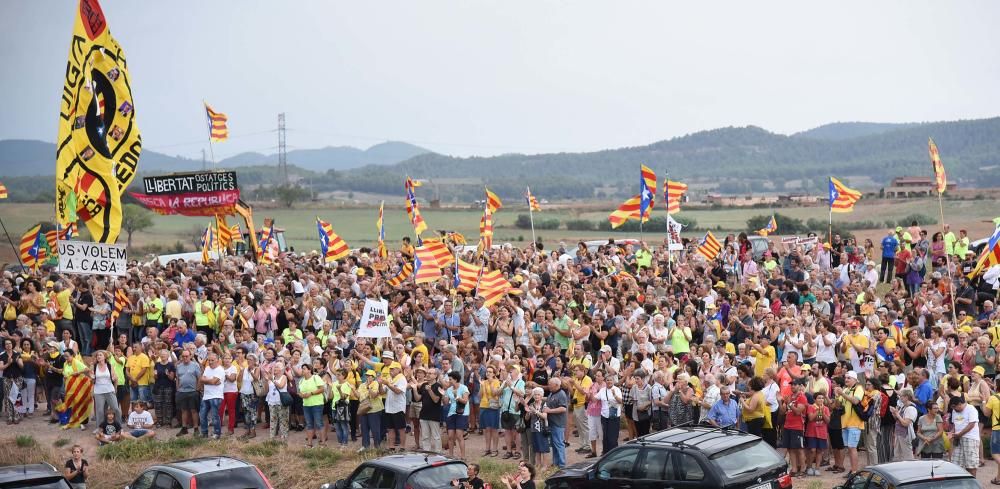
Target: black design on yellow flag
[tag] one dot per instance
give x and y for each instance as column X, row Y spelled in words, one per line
column 99, row 143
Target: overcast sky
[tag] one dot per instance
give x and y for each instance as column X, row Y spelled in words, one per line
column 479, row 77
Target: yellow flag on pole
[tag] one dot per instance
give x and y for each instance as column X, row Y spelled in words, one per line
column 98, row 145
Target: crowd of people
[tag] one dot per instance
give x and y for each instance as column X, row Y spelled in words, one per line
column 815, row 348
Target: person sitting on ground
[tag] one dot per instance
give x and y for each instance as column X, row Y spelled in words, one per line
column 523, row 479
column 140, row 423
column 110, row 430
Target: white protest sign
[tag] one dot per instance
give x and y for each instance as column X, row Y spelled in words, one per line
column 808, row 241
column 373, row 319
column 92, row 258
column 789, row 240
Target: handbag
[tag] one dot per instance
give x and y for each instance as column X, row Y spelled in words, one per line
column 341, row 412
column 286, row 399
column 520, row 426
column 364, row 406
column 9, row 313
column 259, row 388
column 136, row 319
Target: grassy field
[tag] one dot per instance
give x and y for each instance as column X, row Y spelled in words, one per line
column 357, row 225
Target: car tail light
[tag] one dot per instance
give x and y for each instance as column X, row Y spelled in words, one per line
column 269, row 486
column 194, row 483
column 785, row 481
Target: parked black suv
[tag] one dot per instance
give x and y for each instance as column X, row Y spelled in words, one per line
column 682, row 458
column 205, row 473
column 414, row 470
column 41, row 476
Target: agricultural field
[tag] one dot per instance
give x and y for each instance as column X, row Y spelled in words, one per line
column 357, row 224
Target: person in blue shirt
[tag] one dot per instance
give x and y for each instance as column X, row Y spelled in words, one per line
column 889, row 246
column 924, row 391
column 725, row 413
column 184, row 335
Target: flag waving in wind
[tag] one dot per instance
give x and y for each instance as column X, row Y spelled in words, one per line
column 842, row 199
column 493, row 201
column 629, row 210
column 412, row 210
column 332, row 246
column 673, row 192
column 770, row 228
column 647, row 189
column 380, row 226
column 940, row 178
column 218, row 130
column 3, row 191
column 98, row 143
column 709, row 247
column 208, row 242
column 990, row 256
column 531, row 200
column 31, row 244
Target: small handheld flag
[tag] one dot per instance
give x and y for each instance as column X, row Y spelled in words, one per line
column 842, row 198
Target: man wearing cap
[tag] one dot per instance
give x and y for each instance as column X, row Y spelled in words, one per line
column 851, row 423
column 890, row 244
column 395, row 405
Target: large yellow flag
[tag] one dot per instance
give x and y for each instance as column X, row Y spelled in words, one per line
column 98, row 148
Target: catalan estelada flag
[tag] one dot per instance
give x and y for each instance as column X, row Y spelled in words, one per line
column 31, row 243
column 647, row 188
column 404, row 273
column 709, row 247
column 333, row 248
column 3, row 191
column 842, row 199
column 990, row 255
column 940, row 178
column 225, row 232
column 492, row 201
column 380, row 226
column 265, row 240
column 121, row 300
column 466, row 276
column 412, row 210
column 673, row 192
column 208, row 242
column 218, row 129
column 771, row 227
column 531, row 200
column 628, row 210
column 425, row 266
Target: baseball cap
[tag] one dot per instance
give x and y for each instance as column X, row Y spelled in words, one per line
column 395, row 365
column 389, row 355
column 852, row 375
column 370, row 372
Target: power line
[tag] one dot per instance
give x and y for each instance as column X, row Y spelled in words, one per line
column 435, row 143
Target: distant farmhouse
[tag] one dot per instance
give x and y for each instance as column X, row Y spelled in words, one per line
column 902, row 187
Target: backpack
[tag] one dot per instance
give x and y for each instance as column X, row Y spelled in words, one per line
column 863, row 412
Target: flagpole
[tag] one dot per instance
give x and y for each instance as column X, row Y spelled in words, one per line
column 211, row 150
column 947, row 264
column 17, row 252
column 666, row 201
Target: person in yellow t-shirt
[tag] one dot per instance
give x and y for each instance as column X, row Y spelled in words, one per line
column 765, row 357
column 580, row 384
column 992, row 409
column 852, row 424
column 420, row 347
column 489, row 405
column 311, row 389
column 139, row 370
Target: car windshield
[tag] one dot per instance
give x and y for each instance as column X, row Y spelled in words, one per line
column 944, row 484
column 746, row 459
column 238, row 478
column 438, row 476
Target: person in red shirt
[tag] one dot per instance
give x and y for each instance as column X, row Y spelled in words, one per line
column 793, row 436
column 817, row 417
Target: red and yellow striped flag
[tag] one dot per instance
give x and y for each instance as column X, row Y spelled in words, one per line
column 31, row 244
column 412, row 210
column 709, row 247
column 3, row 191
column 425, row 265
column 468, row 276
column 440, row 251
column 79, row 394
column 674, row 191
column 842, row 199
column 333, row 247
column 940, row 177
column 404, row 273
column 237, row 236
column 208, row 242
column 493, row 286
column 492, row 201
column 121, row 300
column 218, row 130
column 628, row 210
column 225, row 232
column 486, row 231
column 532, row 201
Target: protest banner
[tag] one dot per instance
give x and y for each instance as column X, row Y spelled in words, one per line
column 789, row 240
column 92, row 258
column 373, row 319
column 191, row 194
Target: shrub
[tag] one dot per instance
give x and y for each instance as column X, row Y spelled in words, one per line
column 580, row 225
column 25, row 441
column 921, row 220
column 547, row 224
column 61, row 442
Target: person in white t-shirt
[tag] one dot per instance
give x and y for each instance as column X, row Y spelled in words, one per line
column 140, row 422
column 230, row 394
column 213, row 379
column 826, row 343
column 395, row 404
column 965, row 436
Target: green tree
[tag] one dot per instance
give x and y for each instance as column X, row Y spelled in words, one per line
column 135, row 218
column 288, row 194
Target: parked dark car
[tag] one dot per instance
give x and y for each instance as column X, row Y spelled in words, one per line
column 412, row 470
column 682, row 458
column 35, row 476
column 916, row 474
column 205, row 473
